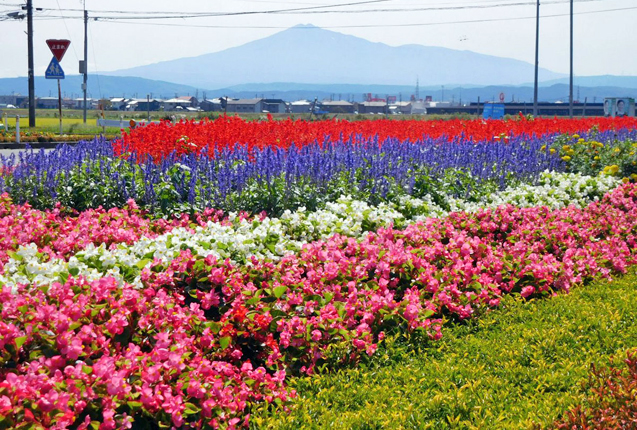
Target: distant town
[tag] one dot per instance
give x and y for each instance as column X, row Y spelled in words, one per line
column 372, row 105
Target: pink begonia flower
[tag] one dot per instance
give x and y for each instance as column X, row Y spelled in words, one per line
column 316, row 335
column 5, row 404
column 527, row 291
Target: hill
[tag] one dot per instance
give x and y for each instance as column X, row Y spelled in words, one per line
column 311, row 54
column 98, row 86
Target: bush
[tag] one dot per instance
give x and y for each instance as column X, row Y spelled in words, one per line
column 612, row 401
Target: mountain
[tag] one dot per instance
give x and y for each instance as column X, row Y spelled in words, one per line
column 98, row 86
column 598, row 81
column 314, row 55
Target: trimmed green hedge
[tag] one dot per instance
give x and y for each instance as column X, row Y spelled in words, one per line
column 522, row 366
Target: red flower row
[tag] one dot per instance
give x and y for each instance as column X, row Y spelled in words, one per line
column 159, row 140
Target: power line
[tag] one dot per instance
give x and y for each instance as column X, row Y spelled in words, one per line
column 423, row 24
column 141, row 15
column 181, row 15
column 67, row 30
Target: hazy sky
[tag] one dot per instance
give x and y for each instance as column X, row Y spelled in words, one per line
column 605, row 42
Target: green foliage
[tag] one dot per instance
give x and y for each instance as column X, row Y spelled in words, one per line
column 521, row 366
column 591, row 157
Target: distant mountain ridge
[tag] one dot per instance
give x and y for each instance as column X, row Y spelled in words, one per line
column 98, row 86
column 312, row 54
column 116, row 86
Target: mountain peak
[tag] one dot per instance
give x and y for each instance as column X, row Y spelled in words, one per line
column 328, row 57
column 304, row 26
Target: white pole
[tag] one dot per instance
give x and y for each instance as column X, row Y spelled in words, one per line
column 17, row 129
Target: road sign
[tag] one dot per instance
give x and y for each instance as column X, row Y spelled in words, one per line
column 493, row 111
column 54, row 71
column 58, row 47
column 501, row 97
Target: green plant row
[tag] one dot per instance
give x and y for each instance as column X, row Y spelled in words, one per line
column 522, row 366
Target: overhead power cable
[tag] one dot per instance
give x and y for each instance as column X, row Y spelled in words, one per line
column 181, row 15
column 420, row 24
column 139, row 15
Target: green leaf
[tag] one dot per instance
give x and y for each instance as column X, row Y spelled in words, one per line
column 74, row 271
column 134, row 404
column 19, row 341
column 224, row 342
column 143, row 263
column 63, row 277
column 191, row 409
column 279, row 291
column 214, row 326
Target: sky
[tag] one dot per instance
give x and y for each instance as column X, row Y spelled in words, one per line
column 605, row 34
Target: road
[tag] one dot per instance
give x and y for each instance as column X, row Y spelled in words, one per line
column 8, row 152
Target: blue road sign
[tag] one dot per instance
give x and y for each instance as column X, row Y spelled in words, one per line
column 493, row 111
column 54, row 71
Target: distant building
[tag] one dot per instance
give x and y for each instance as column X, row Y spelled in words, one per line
column 193, row 101
column 46, row 102
column 15, row 100
column 338, row 106
column 373, row 107
column 143, row 105
column 245, row 105
column 275, row 106
column 177, row 104
column 300, row 106
column 118, row 103
column 211, row 105
column 78, row 103
column 418, row 108
column 407, row 108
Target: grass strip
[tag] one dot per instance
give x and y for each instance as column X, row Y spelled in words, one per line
column 521, row 366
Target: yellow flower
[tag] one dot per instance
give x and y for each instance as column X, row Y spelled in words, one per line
column 614, row 168
column 570, row 152
column 625, row 180
column 543, row 148
column 616, row 150
column 552, row 151
column 576, row 136
column 596, row 157
column 633, row 177
column 566, row 147
column 566, row 158
column 581, row 140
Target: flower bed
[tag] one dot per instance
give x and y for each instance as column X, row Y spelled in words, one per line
column 85, row 349
column 159, row 140
column 119, row 315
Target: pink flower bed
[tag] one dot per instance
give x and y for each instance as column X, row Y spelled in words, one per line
column 61, row 234
column 204, row 339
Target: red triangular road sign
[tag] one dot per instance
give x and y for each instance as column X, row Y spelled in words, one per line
column 58, row 47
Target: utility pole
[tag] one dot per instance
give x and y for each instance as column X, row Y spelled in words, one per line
column 570, row 96
column 85, row 68
column 537, row 56
column 31, row 67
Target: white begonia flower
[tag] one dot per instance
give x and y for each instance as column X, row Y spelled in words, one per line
column 274, row 238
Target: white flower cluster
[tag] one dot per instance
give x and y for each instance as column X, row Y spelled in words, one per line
column 555, row 190
column 272, row 238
